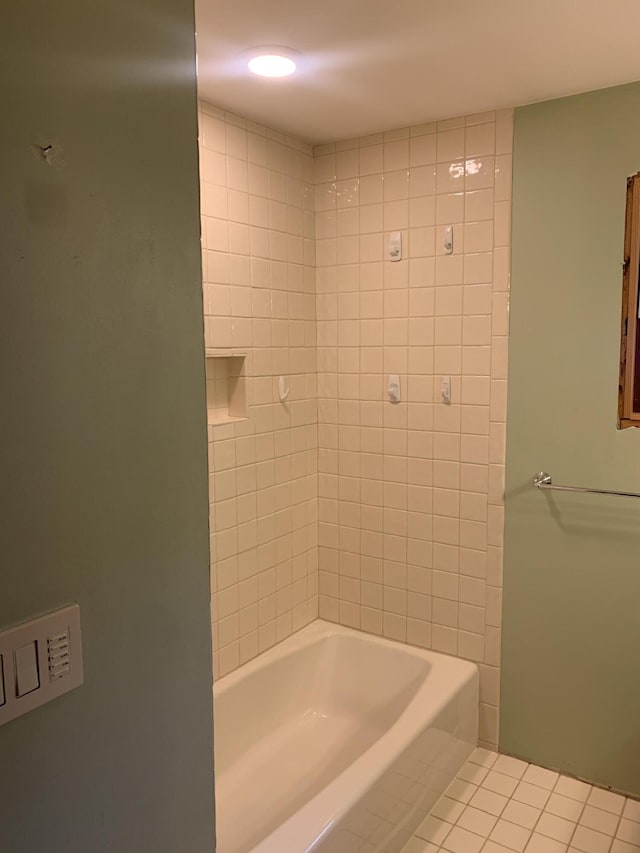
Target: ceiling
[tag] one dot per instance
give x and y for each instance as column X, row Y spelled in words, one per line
column 369, row 65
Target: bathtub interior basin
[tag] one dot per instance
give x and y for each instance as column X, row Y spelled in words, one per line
column 300, row 717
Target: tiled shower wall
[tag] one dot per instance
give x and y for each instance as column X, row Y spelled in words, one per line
column 259, row 301
column 410, row 507
column 410, row 494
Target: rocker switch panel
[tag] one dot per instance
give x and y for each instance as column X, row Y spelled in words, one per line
column 39, row 661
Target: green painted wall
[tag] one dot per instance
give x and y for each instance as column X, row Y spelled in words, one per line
column 102, row 431
column 571, row 641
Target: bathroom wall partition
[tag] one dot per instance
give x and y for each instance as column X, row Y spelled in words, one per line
column 103, row 448
column 398, row 504
column 571, row 679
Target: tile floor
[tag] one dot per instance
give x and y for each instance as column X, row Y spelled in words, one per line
column 499, row 804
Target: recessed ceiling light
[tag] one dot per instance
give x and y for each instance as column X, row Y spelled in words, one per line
column 271, row 63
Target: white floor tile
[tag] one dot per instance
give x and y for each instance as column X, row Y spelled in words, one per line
column 483, row 757
column 556, row 827
column 434, row 830
column 600, row 820
column 564, row 807
column 510, row 766
column 510, row 835
column 632, row 810
column 499, row 804
column 539, row 776
column 462, row 841
column 590, row 841
column 492, row 847
column 488, row 801
column 606, row 800
column 477, row 821
column 530, row 794
column 499, row 783
column 572, row 788
column 472, row 773
column 417, row 845
column 542, row 844
column 447, row 809
column 629, row 831
column 521, row 814
column 461, row 790
column 619, row 846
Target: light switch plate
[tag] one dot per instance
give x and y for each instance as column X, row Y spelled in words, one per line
column 58, row 657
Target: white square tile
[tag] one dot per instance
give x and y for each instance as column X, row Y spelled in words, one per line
column 489, row 801
column 461, row 841
column 417, row 845
column 510, row 766
column 556, row 827
column 472, row 773
column 532, row 795
column 447, row 809
column 606, row 800
column 483, row 757
column 461, row 790
column 564, row 807
column 500, row 783
column 434, row 830
column 572, row 788
column 590, row 841
column 629, row 831
column 510, row 835
column 521, row 814
column 539, row 776
column 599, row 819
column 632, row 810
column 619, row 846
column 477, row 821
column 542, row 844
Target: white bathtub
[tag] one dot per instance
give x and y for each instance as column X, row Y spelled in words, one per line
column 336, row 741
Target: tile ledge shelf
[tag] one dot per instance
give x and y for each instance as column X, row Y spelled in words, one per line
column 226, row 421
column 225, row 353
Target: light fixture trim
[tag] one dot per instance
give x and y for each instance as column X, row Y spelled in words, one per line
column 272, row 62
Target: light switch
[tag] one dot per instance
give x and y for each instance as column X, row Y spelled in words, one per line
column 40, row 660
column 27, row 678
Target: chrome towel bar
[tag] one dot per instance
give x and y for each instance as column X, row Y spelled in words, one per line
column 542, row 480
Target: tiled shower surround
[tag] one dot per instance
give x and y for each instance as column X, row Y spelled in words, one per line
column 259, row 301
column 410, row 516
column 410, row 494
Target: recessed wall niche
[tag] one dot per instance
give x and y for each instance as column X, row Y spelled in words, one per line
column 226, row 388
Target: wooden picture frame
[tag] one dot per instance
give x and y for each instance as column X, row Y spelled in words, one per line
column 629, row 384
